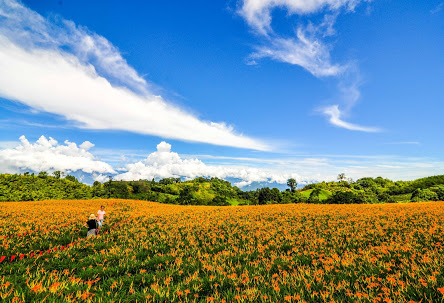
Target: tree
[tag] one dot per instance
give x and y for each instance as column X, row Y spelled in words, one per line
column 71, row 178
column 219, row 201
column 167, row 181
column 424, row 195
column 107, row 186
column 276, row 196
column 186, row 195
column 264, row 195
column 314, row 195
column 43, row 174
column 352, row 196
column 97, row 189
column 96, row 183
column 341, row 177
column 57, row 174
column 439, row 190
column 292, row 184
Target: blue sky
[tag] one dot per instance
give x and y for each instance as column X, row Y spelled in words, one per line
column 244, row 90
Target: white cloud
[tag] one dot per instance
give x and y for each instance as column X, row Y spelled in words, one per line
column 86, row 145
column 307, row 48
column 307, row 52
column 9, row 144
column 101, row 178
column 49, row 155
column 257, row 13
column 164, row 163
column 31, row 30
column 57, row 67
column 334, row 117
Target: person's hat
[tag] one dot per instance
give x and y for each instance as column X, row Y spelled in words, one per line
column 92, row 217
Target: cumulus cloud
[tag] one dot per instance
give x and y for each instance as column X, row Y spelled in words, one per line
column 49, row 155
column 164, row 163
column 99, row 177
column 58, row 67
column 46, row 154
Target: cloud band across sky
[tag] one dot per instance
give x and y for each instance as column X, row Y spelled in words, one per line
column 56, row 67
column 50, row 155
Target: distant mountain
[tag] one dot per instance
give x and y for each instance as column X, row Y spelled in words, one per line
column 257, row 185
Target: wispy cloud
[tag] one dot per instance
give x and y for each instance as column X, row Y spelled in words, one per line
column 257, row 13
column 334, row 117
column 308, row 47
column 437, row 9
column 55, row 66
column 307, row 52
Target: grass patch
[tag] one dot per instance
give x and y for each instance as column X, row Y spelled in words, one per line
column 324, row 195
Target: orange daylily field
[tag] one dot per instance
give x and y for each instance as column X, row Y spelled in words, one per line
column 271, row 253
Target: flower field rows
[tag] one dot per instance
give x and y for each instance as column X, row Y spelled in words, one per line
column 271, row 253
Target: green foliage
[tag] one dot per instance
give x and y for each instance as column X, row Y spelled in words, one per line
column 43, row 174
column 31, row 188
column 424, row 195
column 404, row 187
column 292, row 184
column 352, row 196
column 73, row 179
column 439, row 190
column 402, row 198
column 314, row 196
column 220, row 201
column 321, row 193
column 167, row 181
column 214, row 191
column 267, row 195
column 186, row 196
column 341, row 177
column 293, row 197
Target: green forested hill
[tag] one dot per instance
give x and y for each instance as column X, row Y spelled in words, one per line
column 33, row 188
column 214, row 191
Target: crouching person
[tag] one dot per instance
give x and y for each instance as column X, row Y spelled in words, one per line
column 91, row 224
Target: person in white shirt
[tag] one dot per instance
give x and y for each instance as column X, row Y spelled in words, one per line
column 101, row 215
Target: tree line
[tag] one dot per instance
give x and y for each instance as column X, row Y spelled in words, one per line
column 214, row 191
